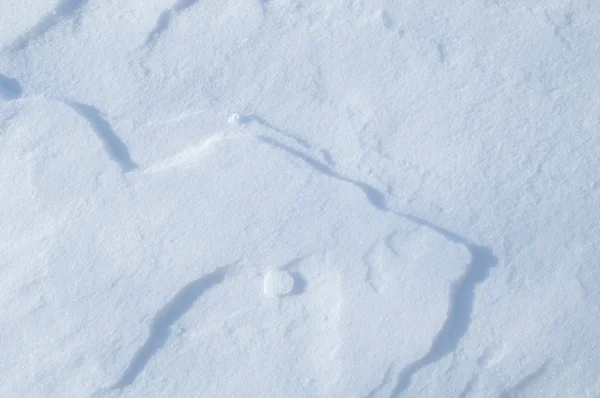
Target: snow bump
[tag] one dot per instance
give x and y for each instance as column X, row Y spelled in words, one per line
column 278, row 283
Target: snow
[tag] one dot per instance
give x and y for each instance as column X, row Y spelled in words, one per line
column 299, row 198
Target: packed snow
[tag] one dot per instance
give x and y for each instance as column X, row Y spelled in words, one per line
column 300, row 198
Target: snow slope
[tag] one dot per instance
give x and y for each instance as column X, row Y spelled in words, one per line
column 299, row 198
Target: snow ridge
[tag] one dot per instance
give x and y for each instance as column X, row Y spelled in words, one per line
column 462, row 294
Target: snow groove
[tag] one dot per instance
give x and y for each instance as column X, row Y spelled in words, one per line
column 10, row 88
column 164, row 20
column 462, row 292
column 160, row 328
column 66, row 9
column 113, row 145
column 190, row 156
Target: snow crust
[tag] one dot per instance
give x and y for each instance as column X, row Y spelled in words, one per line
column 299, row 198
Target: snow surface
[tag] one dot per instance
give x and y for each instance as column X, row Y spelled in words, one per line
column 299, row 198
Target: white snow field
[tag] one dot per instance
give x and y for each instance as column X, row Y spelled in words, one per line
column 300, row 198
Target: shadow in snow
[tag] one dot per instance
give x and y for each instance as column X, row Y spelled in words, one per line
column 468, row 387
column 375, row 197
column 300, row 284
column 458, row 320
column 114, row 147
column 10, row 88
column 160, row 328
column 526, row 382
column 386, row 378
column 164, row 20
column 65, row 9
column 462, row 291
column 265, row 123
